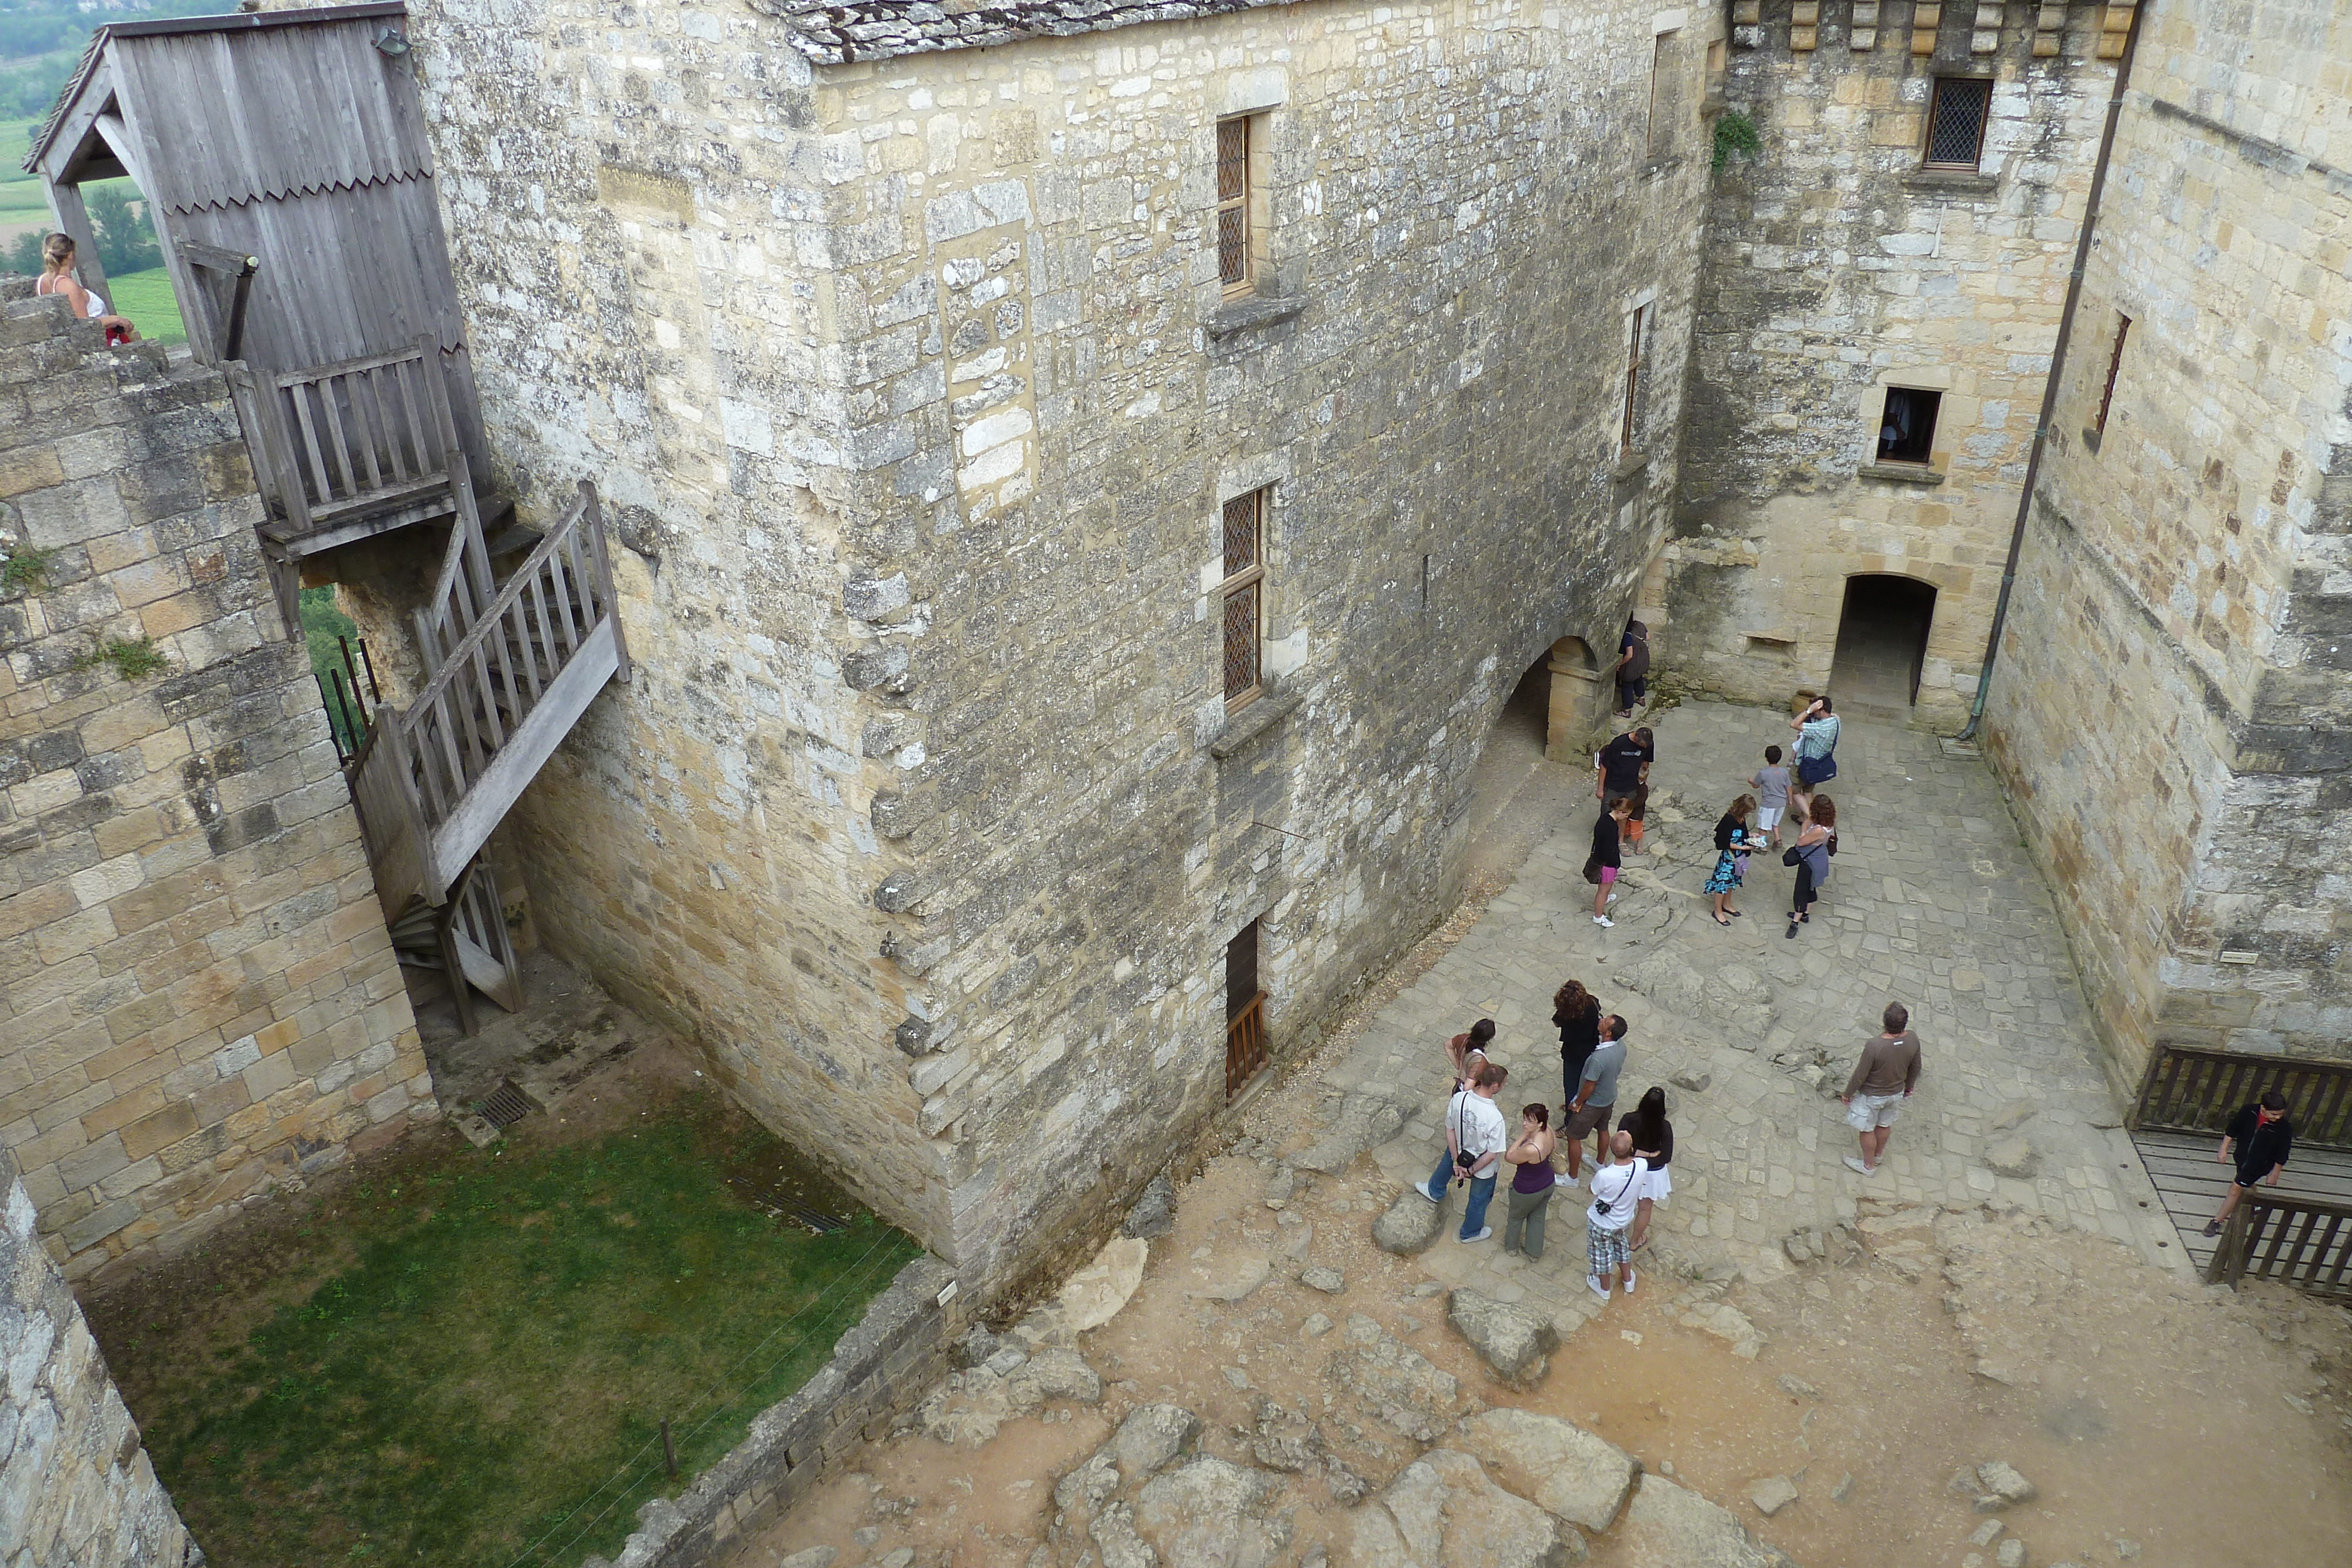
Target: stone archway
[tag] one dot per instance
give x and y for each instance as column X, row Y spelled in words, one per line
column 1581, row 695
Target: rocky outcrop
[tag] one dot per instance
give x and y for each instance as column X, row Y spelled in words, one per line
column 1443, row 1511
column 1393, row 1382
column 1364, row 1122
column 1555, row 1464
column 1410, row 1225
column 972, row 1405
column 1213, row 1514
column 1516, row 1343
column 1669, row 1525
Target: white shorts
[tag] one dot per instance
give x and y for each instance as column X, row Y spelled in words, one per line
column 1768, row 818
column 1657, row 1183
column 1869, row 1111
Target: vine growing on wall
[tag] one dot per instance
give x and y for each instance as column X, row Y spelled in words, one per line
column 132, row 659
column 1736, row 136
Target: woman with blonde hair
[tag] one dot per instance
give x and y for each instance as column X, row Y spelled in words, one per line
column 57, row 278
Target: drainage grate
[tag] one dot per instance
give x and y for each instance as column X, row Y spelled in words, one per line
column 818, row 1223
column 504, row 1106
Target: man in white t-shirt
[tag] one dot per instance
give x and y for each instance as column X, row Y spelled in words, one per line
column 1616, row 1193
column 1475, row 1141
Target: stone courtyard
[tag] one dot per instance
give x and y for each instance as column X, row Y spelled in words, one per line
column 1932, row 902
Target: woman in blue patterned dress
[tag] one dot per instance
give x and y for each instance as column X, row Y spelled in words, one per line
column 1731, row 847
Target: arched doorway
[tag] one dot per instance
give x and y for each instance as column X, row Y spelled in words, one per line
column 1882, row 638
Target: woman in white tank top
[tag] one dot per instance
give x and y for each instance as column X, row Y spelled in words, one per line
column 57, row 278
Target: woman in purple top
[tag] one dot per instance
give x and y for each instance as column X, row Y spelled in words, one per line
column 1531, row 1182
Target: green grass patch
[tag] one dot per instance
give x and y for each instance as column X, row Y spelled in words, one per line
column 324, row 626
column 131, row 658
column 146, row 298
column 482, row 1370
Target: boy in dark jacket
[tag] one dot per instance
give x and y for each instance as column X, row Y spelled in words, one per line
column 2258, row 1139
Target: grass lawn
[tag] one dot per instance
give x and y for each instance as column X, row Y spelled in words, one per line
column 462, row 1357
column 147, row 298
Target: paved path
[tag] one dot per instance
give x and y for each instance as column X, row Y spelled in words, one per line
column 1932, row 901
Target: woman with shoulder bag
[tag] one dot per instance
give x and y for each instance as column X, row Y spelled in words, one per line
column 1817, row 738
column 1810, row 855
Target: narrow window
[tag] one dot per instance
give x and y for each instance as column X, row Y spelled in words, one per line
column 1234, row 239
column 1244, row 1011
column 2114, row 365
column 1907, row 432
column 1956, row 122
column 1632, row 375
column 1659, row 88
column 1243, row 595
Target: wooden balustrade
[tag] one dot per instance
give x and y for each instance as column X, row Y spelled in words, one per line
column 2192, row 1089
column 343, row 447
column 2304, row 1242
column 1244, row 1045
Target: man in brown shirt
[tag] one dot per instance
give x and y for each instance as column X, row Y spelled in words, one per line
column 1882, row 1081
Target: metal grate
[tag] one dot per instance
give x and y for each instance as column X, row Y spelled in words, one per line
column 504, row 1105
column 1956, row 123
column 1245, row 527
column 1241, row 641
column 1233, row 201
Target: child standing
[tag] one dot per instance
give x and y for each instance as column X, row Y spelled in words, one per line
column 1639, row 809
column 1608, row 836
column 1771, row 782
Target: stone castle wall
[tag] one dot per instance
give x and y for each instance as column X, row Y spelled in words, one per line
column 197, row 994
column 2171, row 706
column 77, row 1489
column 920, row 397
column 1837, row 265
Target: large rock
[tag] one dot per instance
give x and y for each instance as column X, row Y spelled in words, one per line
column 1093, row 1296
column 1561, row 1468
column 1410, row 1225
column 1150, row 1439
column 1154, row 1214
column 1393, row 1382
column 1672, row 1527
column 971, row 1405
column 1726, row 1321
column 1732, row 996
column 1212, row 1514
column 1514, row 1340
column 1239, row 1273
column 2011, row 1156
column 1442, row 1511
column 1364, row 1122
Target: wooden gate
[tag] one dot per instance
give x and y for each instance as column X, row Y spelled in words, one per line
column 1244, row 1045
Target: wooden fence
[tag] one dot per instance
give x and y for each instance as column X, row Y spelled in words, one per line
column 2304, row 1242
column 1244, row 1044
column 2190, row 1090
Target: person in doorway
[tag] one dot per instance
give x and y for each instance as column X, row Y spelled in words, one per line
column 1632, row 668
column 1623, row 766
column 1596, row 1089
column 1531, row 1182
column 1468, row 1052
column 1653, row 1145
column 1817, row 738
column 1608, row 858
column 1615, row 1197
column 1883, row 1079
column 2258, row 1140
column 57, row 278
column 1576, row 1013
column 1770, row 783
column 1816, row 842
column 1474, row 1145
column 1731, row 845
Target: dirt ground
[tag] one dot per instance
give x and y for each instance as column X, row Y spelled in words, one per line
column 2188, row 1425
column 2160, row 1421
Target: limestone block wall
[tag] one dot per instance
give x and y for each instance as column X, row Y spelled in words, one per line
column 76, row 1491
column 197, row 994
column 917, row 385
column 2171, row 702
column 1837, row 265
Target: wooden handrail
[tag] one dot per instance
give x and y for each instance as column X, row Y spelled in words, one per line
column 2309, row 1246
column 469, row 646
column 2191, row 1089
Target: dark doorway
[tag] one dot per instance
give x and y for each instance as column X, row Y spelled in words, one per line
column 1245, row 1012
column 1882, row 640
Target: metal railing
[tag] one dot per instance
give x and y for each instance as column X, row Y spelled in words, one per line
column 2192, row 1089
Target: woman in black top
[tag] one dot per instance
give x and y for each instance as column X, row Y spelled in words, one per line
column 1654, row 1145
column 1607, row 834
column 1576, row 1013
column 1730, row 851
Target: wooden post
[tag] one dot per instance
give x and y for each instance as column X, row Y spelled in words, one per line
column 73, row 221
column 669, row 1451
column 2228, row 1265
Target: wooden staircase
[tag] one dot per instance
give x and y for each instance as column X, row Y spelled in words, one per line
column 514, row 664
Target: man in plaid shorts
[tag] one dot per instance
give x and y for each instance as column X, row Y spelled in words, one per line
column 1615, row 1186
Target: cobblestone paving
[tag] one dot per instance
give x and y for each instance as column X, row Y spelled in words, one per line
column 1932, row 901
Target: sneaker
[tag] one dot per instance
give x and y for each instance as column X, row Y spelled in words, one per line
column 1602, row 920
column 1480, row 1237
column 1599, row 1288
column 1853, row 1163
column 1422, row 1188
column 1629, row 1281
column 1612, row 898
column 2212, row 1228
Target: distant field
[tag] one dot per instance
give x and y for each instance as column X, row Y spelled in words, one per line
column 146, row 298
